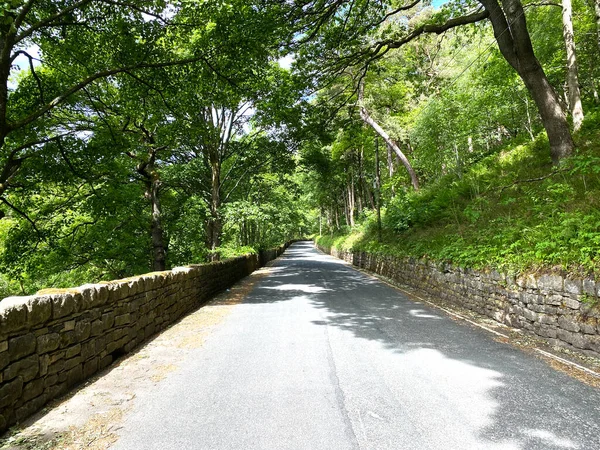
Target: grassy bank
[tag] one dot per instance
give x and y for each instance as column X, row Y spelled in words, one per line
column 513, row 211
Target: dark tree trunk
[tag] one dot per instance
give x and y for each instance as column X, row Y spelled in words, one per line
column 159, row 252
column 152, row 186
column 515, row 45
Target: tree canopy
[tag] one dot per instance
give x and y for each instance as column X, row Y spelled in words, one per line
column 138, row 135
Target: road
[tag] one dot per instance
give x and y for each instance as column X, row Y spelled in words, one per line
column 321, row 356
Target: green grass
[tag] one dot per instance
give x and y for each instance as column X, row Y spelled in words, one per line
column 512, row 211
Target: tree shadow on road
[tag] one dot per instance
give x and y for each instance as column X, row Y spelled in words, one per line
column 510, row 399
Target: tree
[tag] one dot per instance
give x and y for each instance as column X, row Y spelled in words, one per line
column 339, row 23
column 572, row 72
column 366, row 117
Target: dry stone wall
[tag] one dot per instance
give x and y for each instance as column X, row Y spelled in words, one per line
column 565, row 311
column 53, row 340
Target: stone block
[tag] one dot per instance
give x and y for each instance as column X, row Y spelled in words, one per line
column 593, row 342
column 123, row 319
column 32, row 389
column 94, row 295
column 547, row 319
column 4, row 360
column 573, row 287
column 50, row 380
column 69, row 325
column 97, row 328
column 83, row 329
column 530, row 315
column 26, row 369
column 73, row 351
column 572, row 303
column 88, row 292
column 10, row 392
column 63, row 305
column 531, row 282
column 575, row 339
column 56, row 390
column 108, row 319
column 44, row 363
column 48, row 343
column 30, row 407
column 588, row 327
column 75, row 375
column 73, row 362
column 39, row 310
column 90, row 367
column 117, row 291
column 56, row 356
column 550, row 283
column 13, row 314
column 67, row 339
column 21, row 346
column 56, row 366
column 105, row 362
column 589, row 287
column 88, row 349
column 567, row 323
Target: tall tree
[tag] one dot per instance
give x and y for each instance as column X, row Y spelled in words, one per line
column 366, row 117
column 572, row 72
column 343, row 25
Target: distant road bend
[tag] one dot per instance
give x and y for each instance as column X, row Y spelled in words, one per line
column 320, row 356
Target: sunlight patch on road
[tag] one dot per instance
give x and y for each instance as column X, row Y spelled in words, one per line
column 551, row 439
column 308, row 288
column 423, row 314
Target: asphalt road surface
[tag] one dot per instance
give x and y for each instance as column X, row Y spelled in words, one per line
column 320, row 356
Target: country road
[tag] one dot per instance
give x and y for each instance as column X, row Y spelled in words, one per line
column 309, row 353
column 320, row 356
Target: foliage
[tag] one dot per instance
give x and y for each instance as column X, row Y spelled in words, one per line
column 507, row 212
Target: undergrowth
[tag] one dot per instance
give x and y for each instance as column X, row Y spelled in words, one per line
column 512, row 211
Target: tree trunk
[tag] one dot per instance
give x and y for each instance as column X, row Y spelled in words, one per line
column 390, row 162
column 380, row 131
column 597, row 9
column 159, row 252
column 351, row 202
column 378, row 189
column 152, row 188
column 214, row 225
column 515, row 45
column 572, row 72
column 366, row 117
column 346, row 213
column 321, row 222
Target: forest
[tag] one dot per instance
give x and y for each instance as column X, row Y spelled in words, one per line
column 140, row 135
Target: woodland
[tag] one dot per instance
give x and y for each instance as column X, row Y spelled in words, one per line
column 140, row 135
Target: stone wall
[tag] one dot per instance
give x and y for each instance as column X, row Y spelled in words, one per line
column 53, row 340
column 565, row 311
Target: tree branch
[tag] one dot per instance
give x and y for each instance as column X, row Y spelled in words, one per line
column 25, row 216
column 429, row 28
column 48, row 21
column 102, row 74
